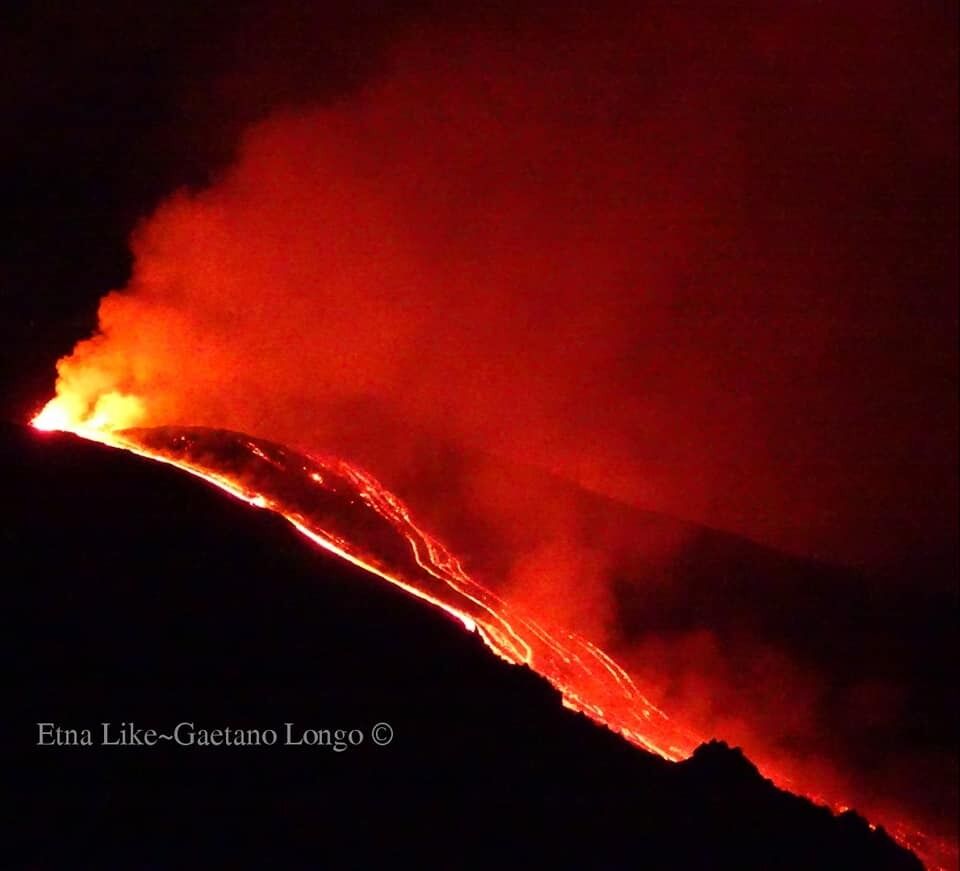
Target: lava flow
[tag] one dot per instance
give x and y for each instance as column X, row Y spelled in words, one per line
column 346, row 511
column 343, row 509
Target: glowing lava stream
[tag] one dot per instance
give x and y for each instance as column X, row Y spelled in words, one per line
column 347, row 512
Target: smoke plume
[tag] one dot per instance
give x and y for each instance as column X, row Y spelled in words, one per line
column 683, row 261
column 656, row 261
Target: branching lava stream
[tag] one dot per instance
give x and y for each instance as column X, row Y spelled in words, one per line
column 344, row 510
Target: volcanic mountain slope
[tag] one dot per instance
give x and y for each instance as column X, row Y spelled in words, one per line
column 136, row 594
column 839, row 682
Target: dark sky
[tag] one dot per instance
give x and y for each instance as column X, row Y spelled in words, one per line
column 111, row 106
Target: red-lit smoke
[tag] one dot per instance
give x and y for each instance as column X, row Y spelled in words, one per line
column 637, row 259
column 671, row 258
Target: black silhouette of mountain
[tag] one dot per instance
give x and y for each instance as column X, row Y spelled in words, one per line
column 854, row 667
column 138, row 595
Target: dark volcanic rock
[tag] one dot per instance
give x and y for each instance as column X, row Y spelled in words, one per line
column 136, row 594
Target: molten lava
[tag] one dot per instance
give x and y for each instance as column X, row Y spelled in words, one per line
column 346, row 511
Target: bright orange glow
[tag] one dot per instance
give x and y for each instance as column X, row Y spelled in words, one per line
column 111, row 411
column 53, row 417
column 269, row 477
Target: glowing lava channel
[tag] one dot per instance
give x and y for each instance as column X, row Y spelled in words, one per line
column 349, row 513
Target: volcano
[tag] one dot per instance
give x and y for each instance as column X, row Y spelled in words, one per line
column 143, row 598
